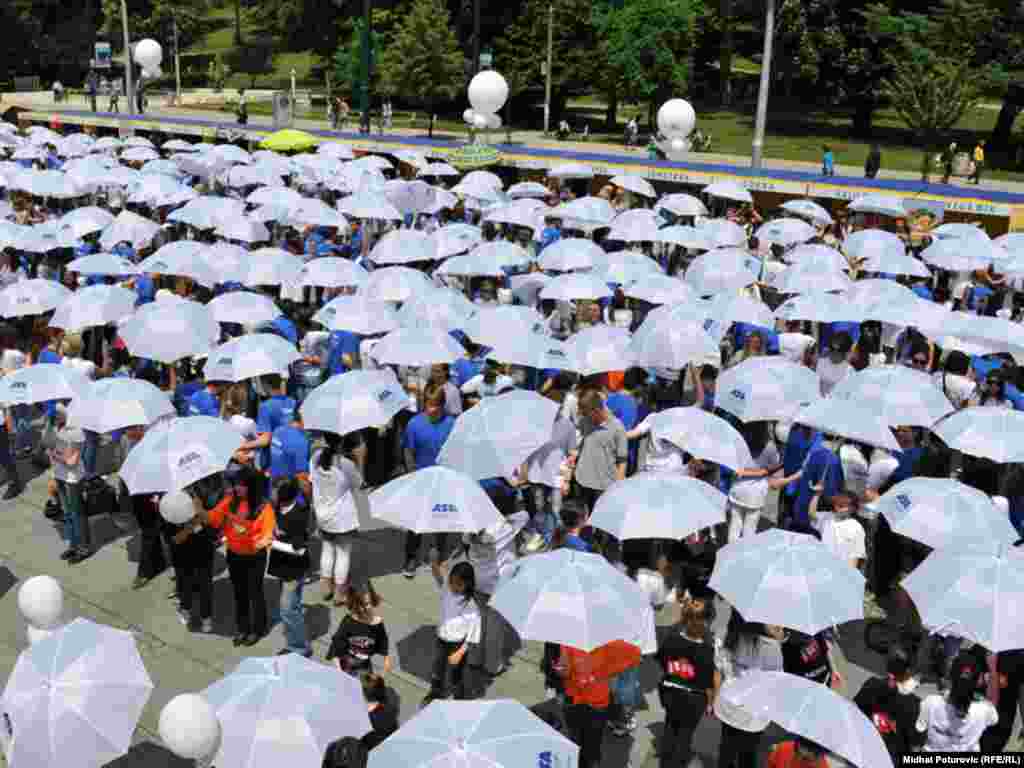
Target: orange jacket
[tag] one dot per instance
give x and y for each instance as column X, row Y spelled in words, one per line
column 242, row 535
column 784, row 756
column 587, row 676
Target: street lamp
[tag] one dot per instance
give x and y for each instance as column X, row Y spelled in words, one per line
column 129, row 91
column 762, row 91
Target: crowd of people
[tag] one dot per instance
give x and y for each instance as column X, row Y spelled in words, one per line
column 290, row 493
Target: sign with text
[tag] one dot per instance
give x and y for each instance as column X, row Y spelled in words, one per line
column 102, row 56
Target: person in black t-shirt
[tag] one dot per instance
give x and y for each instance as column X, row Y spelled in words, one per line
column 361, row 634
column 809, row 657
column 382, row 706
column 890, row 703
column 1010, row 672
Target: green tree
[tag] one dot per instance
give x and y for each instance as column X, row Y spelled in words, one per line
column 348, row 62
column 254, row 58
column 423, row 63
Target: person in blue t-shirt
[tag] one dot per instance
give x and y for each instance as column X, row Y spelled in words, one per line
column 342, row 352
column 276, row 411
column 575, row 533
column 470, row 366
column 206, row 401
column 424, row 437
column 145, row 289
column 627, row 408
column 551, row 233
column 799, row 443
column 289, row 455
column 125, row 250
column 828, row 330
column 821, row 469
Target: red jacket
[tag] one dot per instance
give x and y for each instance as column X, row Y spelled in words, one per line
column 587, row 674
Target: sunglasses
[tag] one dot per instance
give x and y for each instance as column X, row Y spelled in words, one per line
column 920, row 361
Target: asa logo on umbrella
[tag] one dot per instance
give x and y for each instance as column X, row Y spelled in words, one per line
column 189, row 458
column 445, row 509
column 904, row 501
column 383, row 395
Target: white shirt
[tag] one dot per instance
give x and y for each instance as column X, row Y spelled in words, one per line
column 855, row 470
column 959, row 389
column 477, row 386
column 542, row 467
column 843, row 538
column 661, row 455
column 493, row 551
column 460, row 618
column 947, row 732
column 831, row 373
column 334, row 494
column 793, row 345
column 12, row 360
column 752, row 492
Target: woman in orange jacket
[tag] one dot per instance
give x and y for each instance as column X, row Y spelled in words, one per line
column 247, row 519
column 586, row 677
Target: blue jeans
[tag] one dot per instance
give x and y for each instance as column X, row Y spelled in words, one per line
column 76, row 526
column 293, row 617
column 21, row 418
column 546, row 503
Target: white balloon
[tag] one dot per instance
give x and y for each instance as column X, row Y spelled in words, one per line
column 468, row 116
column 488, row 92
column 148, row 54
column 35, row 634
column 480, row 121
column 41, row 601
column 176, row 508
column 676, row 119
column 189, row 727
column 678, row 145
column 494, row 122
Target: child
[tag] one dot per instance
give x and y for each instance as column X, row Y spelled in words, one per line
column 361, row 634
column 827, row 161
column 458, row 628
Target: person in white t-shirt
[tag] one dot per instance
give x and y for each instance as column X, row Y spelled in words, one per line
column 954, row 381
column 954, row 722
column 834, row 367
column 841, row 534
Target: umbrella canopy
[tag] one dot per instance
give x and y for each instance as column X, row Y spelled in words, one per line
column 810, row 276
column 84, row 221
column 703, row 435
column 722, row 233
column 244, row 308
column 874, row 244
column 766, row 389
column 332, row 272
column 852, row 419
column 722, row 271
column 571, row 171
column 169, row 331
column 354, row 400
column 654, row 505
column 453, row 239
column 335, row 149
column 571, row 598
column 417, row 347
column 533, row 350
column 669, row 343
column 785, row 232
column 575, row 286
column 901, row 394
column 624, row 267
column 270, row 266
column 571, row 253
column 207, row 211
column 93, row 306
column 243, row 229
column 807, row 209
column 728, row 190
column 584, row 213
column 369, row 205
column 102, row 264
column 657, row 288
column 32, row 297
column 496, row 436
column 250, row 356
column 989, row 433
column 944, row 514
column 498, row 733
column 492, row 325
column 40, row 383
column 403, row 246
column 285, row 710
column 183, row 259
column 684, row 236
column 438, row 169
column 681, row 204
column 811, row 710
column 961, row 255
column 435, row 500
column 635, row 184
column 75, row 697
column 882, row 205
column 439, row 309
column 131, row 228
column 524, row 212
column 179, row 452
column 357, row 314
column 527, row 189
column 289, row 140
column 788, row 579
column 111, row 404
column 634, row 226
column 599, row 349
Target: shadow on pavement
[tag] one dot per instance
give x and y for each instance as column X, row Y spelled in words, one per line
column 416, row 652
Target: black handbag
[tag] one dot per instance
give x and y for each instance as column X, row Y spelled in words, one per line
column 98, row 497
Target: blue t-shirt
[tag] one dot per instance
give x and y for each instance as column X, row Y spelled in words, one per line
column 286, row 328
column 183, row 395
column 923, row 291
column 740, row 331
column 204, row 403
column 341, row 343
column 275, row 412
column 425, row 438
column 49, row 356
column 124, row 250
column 822, row 466
column 548, row 236
column 289, row 452
column 830, row 329
column 1015, row 396
column 625, row 408
column 905, row 469
column 466, row 368
column 572, row 541
column 145, row 290
column 798, row 445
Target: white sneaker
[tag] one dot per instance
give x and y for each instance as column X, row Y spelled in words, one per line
column 183, row 616
column 206, row 627
column 534, row 544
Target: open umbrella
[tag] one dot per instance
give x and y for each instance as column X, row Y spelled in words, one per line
column 435, row 500
column 852, row 419
column 417, row 347
column 599, row 349
column 369, row 205
column 634, row 226
column 285, row 710
column 129, row 227
column 703, row 435
column 584, row 213
column 270, row 266
column 788, row 579
column 571, row 171
column 93, row 306
column 32, row 297
column 357, row 315
column 182, row 262
column 492, row 325
column 354, row 400
column 499, row 733
column 681, row 204
column 453, row 239
column 332, row 272
column 632, row 183
column 41, row 383
column 179, row 452
column 102, row 264
column 657, row 288
column 728, row 190
column 533, row 350
column 249, row 357
column 785, row 232
column 989, row 433
column 243, row 229
column 814, row 276
column 571, row 253
column 74, row 698
column 882, row 205
column 684, row 236
column 671, row 343
column 244, row 308
column 168, row 331
column 84, row 221
column 654, row 505
column 289, row 140
column 807, row 209
column 396, row 284
column 571, row 598
column 440, row 309
column 901, row 395
column 722, row 233
column 961, row 255
column 722, row 271
column 576, row 286
column 766, row 389
column 496, row 436
column 111, row 404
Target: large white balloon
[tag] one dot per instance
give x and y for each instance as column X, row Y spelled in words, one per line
column 488, row 92
column 176, row 508
column 189, row 727
column 676, row 119
column 678, row 145
column 494, row 122
column 479, row 121
column 148, row 54
column 468, row 116
column 41, row 601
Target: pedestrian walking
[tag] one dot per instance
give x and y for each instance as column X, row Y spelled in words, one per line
column 458, row 628
column 947, row 158
column 828, row 167
column 289, row 564
column 873, row 163
column 90, row 89
column 115, row 95
column 979, row 162
column 242, row 112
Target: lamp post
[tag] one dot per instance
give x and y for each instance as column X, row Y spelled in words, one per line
column 177, row 65
column 128, row 90
column 547, row 68
column 766, row 80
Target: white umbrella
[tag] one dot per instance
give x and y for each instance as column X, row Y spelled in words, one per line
column 396, row 284
column 40, row 383
column 138, row 141
column 899, row 394
column 130, row 228
column 169, row 331
column 785, row 232
column 206, row 212
column 411, row 196
column 139, row 155
column 496, row 436
column 654, row 505
column 533, row 350
column 436, row 309
column 684, row 236
column 807, row 209
column 819, row 256
column 722, row 233
column 634, row 226
column 84, row 221
column 889, row 302
column 492, row 325
column 111, row 404
column 316, row 213
column 734, row 308
column 179, row 452
column 102, row 264
column 249, row 357
column 243, row 308
column 584, row 213
column 874, row 244
column 74, row 698
column 178, row 145
column 571, row 171
column 332, row 272
column 32, row 297
column 228, row 153
column 990, row 433
column 972, row 594
column 659, row 289
column 722, row 271
column 672, row 344
column 438, row 169
column 960, row 230
column 253, row 175
column 571, row 253
column 788, row 579
column 286, row 198
column 403, row 246
column 811, row 710
column 624, row 267
column 225, row 260
column 728, row 190
column 369, row 205
column 93, row 306
column 681, row 204
column 961, row 255
column 810, row 277
column 766, row 389
column 570, row 598
column 335, row 149
column 902, row 265
column 525, row 212
column 996, row 333
column 285, row 710
column 270, row 266
column 945, row 514
column 498, row 733
column 417, row 347
column 243, row 229
column 852, row 419
column 435, row 500
column 183, row 259
column 635, row 184
column 160, row 190
column 882, row 205
column 354, row 400
column 357, row 314
column 704, row 435
column 453, row 239
column 599, row 349
column 575, row 286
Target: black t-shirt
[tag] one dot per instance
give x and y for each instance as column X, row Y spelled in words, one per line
column 807, row 657
column 894, row 714
column 384, row 721
column 686, row 666
column 355, row 642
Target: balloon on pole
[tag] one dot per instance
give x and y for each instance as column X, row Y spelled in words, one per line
column 189, row 727
column 676, row 121
column 488, row 92
column 148, row 55
column 176, row 508
column 41, row 602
